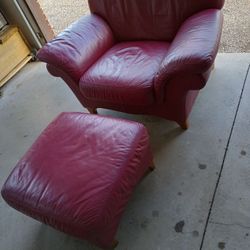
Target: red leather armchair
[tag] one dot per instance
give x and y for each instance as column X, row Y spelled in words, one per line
column 139, row 56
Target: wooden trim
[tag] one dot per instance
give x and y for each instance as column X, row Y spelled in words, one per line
column 41, row 19
column 15, row 70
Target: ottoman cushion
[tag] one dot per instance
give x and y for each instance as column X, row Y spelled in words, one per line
column 80, row 173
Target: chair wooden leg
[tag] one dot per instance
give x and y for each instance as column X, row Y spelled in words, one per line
column 114, row 244
column 183, row 125
column 92, row 110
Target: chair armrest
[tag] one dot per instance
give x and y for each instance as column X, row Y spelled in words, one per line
column 194, row 48
column 79, row 46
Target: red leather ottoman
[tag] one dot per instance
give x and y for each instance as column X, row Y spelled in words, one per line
column 79, row 174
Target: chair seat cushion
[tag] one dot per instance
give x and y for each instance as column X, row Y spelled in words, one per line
column 80, row 173
column 124, row 75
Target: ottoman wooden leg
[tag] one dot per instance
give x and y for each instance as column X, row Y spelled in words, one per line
column 152, row 167
column 92, row 110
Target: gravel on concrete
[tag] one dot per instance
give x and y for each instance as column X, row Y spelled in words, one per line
column 62, row 13
column 236, row 30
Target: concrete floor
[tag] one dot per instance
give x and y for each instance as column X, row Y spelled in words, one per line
column 197, row 198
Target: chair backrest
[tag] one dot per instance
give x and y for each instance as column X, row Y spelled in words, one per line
column 148, row 19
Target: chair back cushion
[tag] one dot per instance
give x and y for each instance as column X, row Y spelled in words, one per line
column 148, row 19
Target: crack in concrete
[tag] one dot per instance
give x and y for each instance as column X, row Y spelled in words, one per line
column 224, row 158
column 229, row 224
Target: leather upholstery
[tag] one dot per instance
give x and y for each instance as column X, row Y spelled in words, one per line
column 148, row 19
column 79, row 46
column 79, row 174
column 125, row 73
column 115, row 75
column 193, row 50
